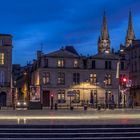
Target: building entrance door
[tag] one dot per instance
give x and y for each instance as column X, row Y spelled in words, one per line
column 2, row 99
column 46, row 98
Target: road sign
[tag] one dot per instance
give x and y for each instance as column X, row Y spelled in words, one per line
column 70, row 93
column 129, row 83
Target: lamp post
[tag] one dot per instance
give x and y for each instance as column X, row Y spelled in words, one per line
column 106, row 94
column 52, row 97
column 13, row 94
column 95, row 93
column 118, row 76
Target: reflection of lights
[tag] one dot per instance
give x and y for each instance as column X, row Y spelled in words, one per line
column 18, row 103
column 124, row 121
column 121, row 50
column 73, row 117
column 25, row 103
column 106, row 51
column 25, row 73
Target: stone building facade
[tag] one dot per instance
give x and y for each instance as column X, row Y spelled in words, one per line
column 5, row 69
column 90, row 78
column 133, row 55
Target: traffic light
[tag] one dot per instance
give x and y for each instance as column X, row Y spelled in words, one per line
column 123, row 80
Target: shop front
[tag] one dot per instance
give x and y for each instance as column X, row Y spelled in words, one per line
column 35, row 97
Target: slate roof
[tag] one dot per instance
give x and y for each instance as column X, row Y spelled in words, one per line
column 105, row 56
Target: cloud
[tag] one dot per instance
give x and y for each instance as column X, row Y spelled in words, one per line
column 57, row 23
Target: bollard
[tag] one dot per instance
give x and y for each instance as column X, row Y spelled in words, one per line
column 55, row 106
column 99, row 107
column 71, row 107
column 51, row 107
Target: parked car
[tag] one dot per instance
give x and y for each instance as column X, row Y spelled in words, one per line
column 21, row 104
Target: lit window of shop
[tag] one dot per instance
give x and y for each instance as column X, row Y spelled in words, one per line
column 93, row 78
column 76, row 63
column 46, row 77
column 61, row 96
column 76, row 78
column 76, row 97
column 60, row 63
column 1, row 58
column 61, row 78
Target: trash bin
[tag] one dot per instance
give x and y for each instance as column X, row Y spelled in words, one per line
column 71, row 107
column 85, row 107
column 99, row 107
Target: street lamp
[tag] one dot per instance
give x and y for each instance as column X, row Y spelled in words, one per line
column 95, row 93
column 106, row 93
column 118, row 75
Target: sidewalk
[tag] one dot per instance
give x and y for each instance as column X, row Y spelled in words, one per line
column 77, row 108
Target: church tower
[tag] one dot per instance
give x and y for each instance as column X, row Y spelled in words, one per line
column 104, row 40
column 130, row 32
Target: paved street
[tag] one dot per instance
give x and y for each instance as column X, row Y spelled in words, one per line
column 77, row 116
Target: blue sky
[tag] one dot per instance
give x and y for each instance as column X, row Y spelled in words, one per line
column 56, row 23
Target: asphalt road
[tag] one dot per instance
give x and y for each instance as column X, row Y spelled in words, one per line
column 77, row 116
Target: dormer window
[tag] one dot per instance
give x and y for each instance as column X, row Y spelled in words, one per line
column 76, row 63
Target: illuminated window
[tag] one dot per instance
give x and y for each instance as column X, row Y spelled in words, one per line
column 61, row 78
column 1, row 58
column 108, row 79
column 76, row 63
column 93, row 78
column 60, row 63
column 61, row 96
column 46, row 78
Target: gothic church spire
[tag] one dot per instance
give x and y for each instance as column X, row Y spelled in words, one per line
column 104, row 40
column 130, row 32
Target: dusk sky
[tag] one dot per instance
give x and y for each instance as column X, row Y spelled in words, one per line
column 56, row 23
